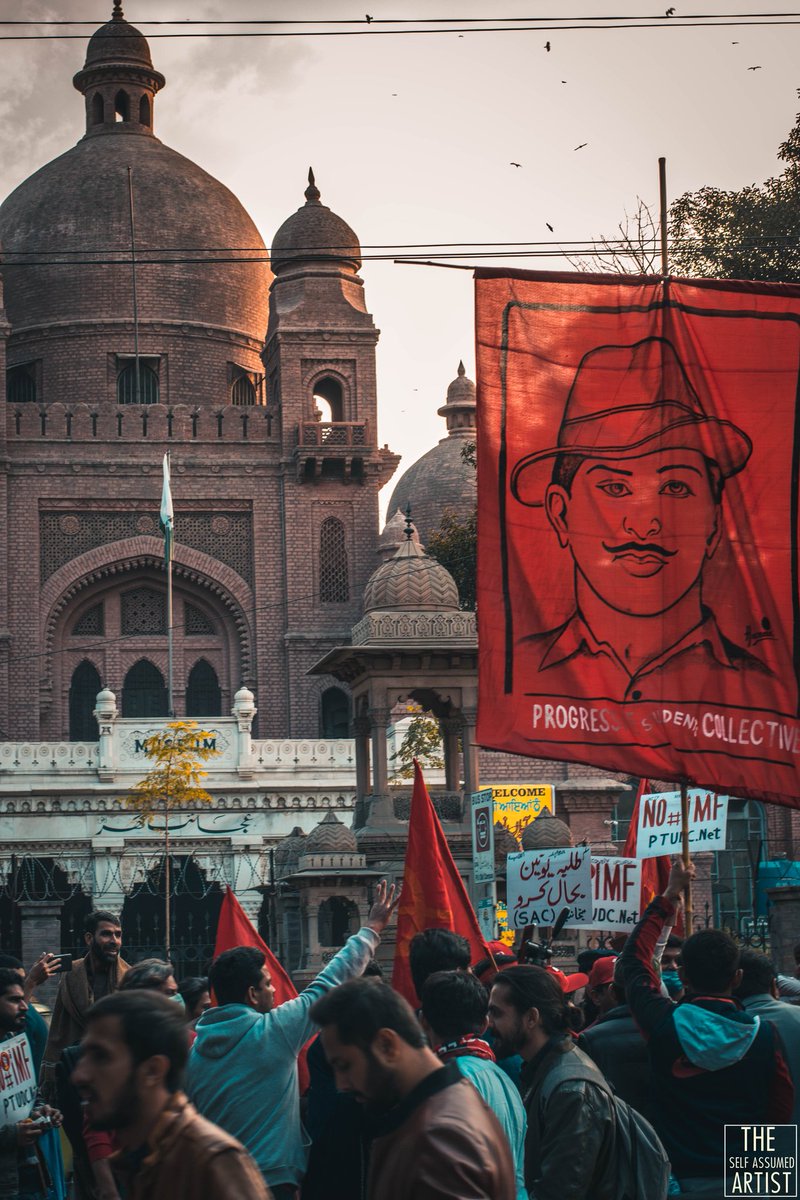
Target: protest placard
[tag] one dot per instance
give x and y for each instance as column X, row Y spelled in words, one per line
column 17, row 1080
column 616, row 888
column 660, row 822
column 543, row 882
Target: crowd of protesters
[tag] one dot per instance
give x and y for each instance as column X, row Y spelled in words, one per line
column 507, row 1081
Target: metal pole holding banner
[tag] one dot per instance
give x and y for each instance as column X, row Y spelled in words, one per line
column 662, row 204
column 687, row 904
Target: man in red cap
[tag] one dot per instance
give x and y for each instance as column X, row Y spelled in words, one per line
column 635, row 495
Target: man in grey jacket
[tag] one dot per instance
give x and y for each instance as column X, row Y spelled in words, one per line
column 242, row 1072
column 758, row 993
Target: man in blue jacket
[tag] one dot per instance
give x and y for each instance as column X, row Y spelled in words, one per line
column 712, row 1063
column 242, row 1072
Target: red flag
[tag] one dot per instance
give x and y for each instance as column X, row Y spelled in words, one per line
column 236, row 929
column 655, row 871
column 433, row 895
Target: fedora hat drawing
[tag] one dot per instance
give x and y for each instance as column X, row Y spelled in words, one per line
column 626, row 401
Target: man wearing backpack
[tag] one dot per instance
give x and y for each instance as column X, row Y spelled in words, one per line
column 712, row 1064
column 574, row 1145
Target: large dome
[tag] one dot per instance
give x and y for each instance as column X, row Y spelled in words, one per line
column 77, row 208
column 70, row 222
column 441, row 481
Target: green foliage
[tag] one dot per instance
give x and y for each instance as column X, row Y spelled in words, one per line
column 423, row 741
column 176, row 778
column 455, row 546
column 749, row 234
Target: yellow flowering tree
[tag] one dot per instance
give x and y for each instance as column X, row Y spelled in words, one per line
column 174, row 782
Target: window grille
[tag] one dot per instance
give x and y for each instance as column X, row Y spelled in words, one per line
column 195, row 621
column 334, row 585
column 91, row 624
column 243, row 392
column 148, row 383
column 144, row 611
column 21, row 384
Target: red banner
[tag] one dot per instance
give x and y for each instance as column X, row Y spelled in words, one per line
column 638, row 464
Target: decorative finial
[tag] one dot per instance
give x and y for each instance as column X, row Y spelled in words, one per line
column 117, row 14
column 461, row 368
column 409, row 529
column 312, row 192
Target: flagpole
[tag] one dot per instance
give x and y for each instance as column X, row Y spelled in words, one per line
column 167, row 522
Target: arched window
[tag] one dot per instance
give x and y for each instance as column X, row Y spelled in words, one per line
column 334, row 713
column 98, row 109
column 122, row 106
column 336, row 920
column 148, row 384
column 334, row 584
column 83, row 689
column 203, row 695
column 21, row 384
column 243, row 391
column 328, row 399
column 143, row 692
column 144, row 111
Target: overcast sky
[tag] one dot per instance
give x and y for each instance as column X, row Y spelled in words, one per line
column 412, row 137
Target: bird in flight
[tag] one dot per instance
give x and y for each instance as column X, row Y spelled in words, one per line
column 549, row 226
column 581, row 145
column 734, row 43
column 369, row 18
column 513, row 164
column 754, row 68
column 670, row 12
column 547, row 47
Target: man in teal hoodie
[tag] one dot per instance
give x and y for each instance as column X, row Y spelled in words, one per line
column 242, row 1072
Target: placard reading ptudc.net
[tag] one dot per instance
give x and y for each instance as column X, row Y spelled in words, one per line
column 659, row 829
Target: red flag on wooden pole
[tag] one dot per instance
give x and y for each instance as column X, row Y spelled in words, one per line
column 236, row 929
column 655, row 871
column 433, row 895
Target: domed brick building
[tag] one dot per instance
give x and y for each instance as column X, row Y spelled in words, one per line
column 142, row 316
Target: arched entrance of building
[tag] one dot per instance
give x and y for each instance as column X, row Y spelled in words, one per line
column 144, row 693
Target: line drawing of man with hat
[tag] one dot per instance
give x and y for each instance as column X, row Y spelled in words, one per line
column 635, row 494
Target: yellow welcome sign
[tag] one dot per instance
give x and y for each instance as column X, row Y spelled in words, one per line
column 517, row 804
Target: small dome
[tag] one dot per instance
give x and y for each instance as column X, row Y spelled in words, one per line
column 393, row 535
column 288, row 851
column 117, row 44
column 411, row 582
column 546, row 832
column 504, row 843
column 331, row 837
column 315, row 234
column 442, row 481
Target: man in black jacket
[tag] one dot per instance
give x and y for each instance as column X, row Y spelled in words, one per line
column 570, row 1147
column 615, row 1041
column 712, row 1063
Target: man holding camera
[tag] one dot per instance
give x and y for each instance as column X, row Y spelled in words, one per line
column 89, row 979
column 23, row 1174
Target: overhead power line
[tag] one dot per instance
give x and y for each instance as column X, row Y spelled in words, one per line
column 655, row 19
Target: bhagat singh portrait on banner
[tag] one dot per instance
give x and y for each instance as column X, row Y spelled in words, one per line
column 634, row 490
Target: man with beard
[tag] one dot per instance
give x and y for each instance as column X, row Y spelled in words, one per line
column 132, row 1059
column 23, row 1175
column 571, row 1141
column 434, row 1136
column 91, row 978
